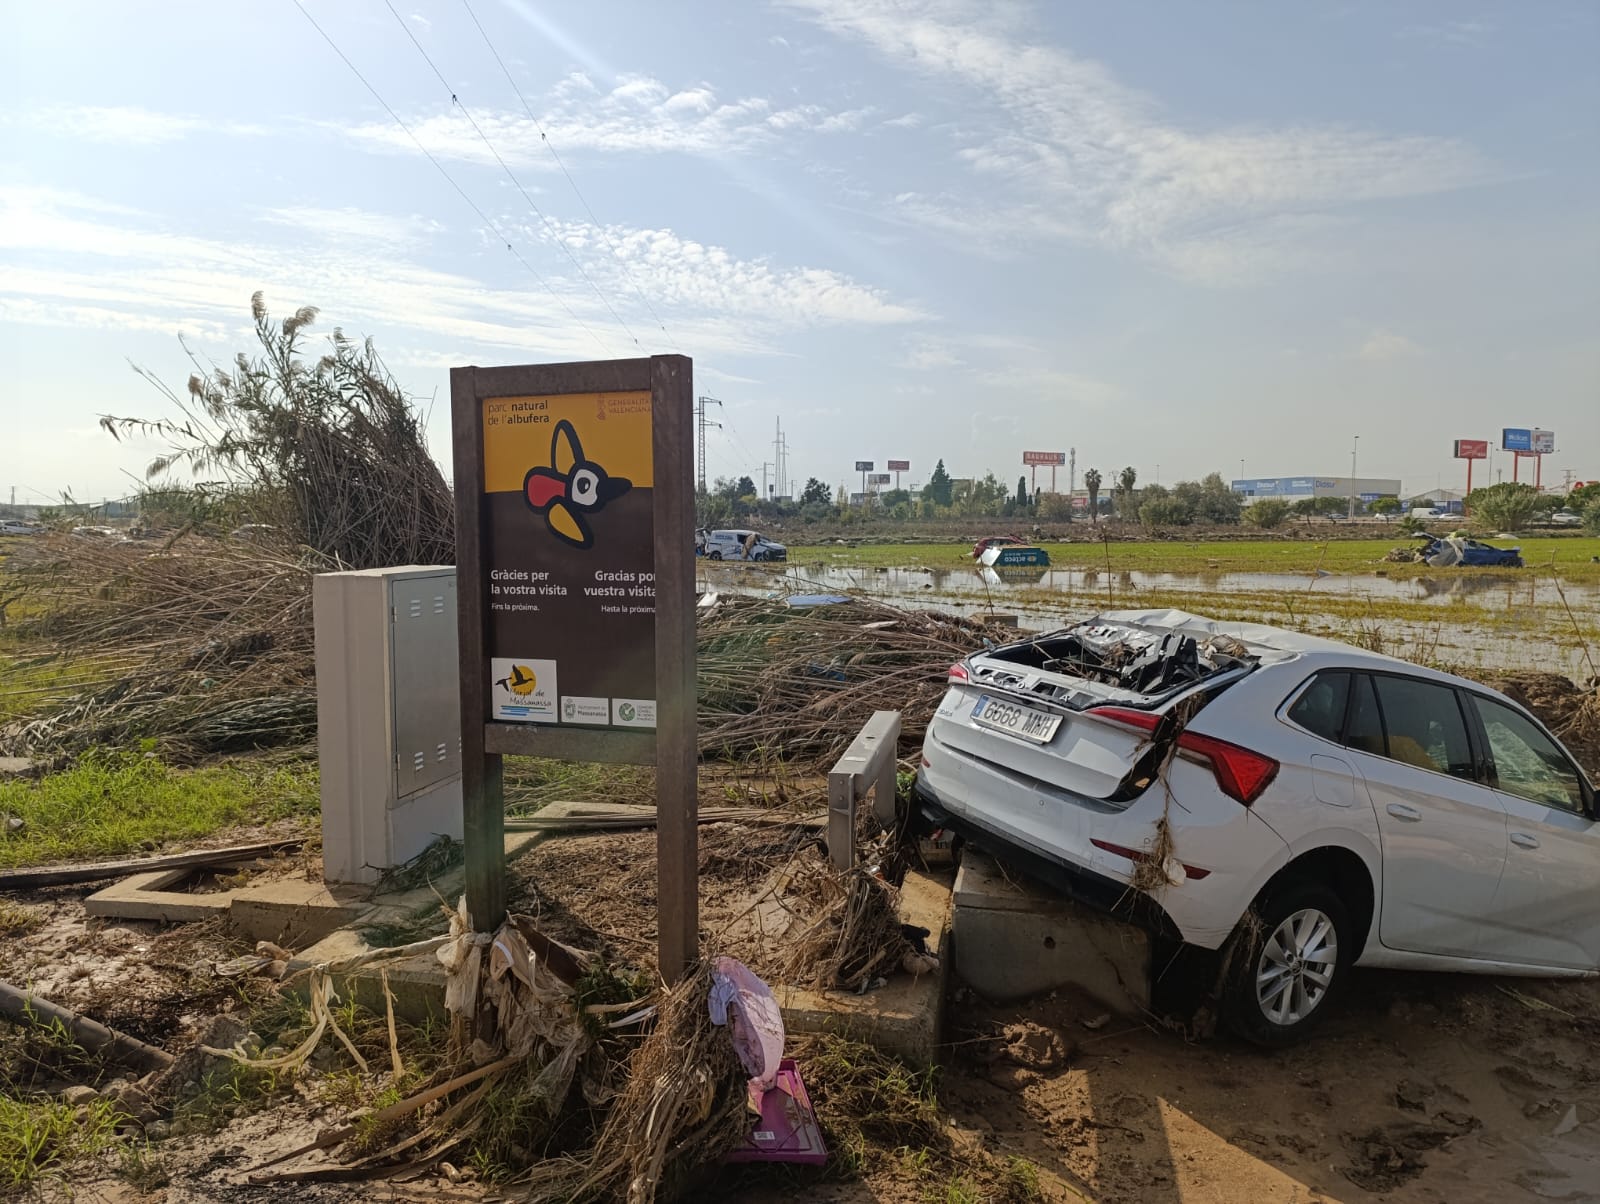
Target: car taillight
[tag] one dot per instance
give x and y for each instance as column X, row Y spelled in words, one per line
column 1241, row 774
column 958, row 672
column 1145, row 721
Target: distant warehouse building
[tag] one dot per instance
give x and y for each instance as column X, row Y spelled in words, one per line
column 1292, row 489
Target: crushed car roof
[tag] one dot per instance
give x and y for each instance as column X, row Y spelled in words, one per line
column 1260, row 637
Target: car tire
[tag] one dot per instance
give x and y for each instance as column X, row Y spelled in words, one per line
column 714, row 555
column 1289, row 971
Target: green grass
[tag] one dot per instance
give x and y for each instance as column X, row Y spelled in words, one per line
column 116, row 802
column 29, row 681
column 41, row 1137
column 1573, row 556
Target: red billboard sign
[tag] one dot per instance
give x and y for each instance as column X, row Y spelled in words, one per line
column 1037, row 457
column 898, row 465
column 1472, row 449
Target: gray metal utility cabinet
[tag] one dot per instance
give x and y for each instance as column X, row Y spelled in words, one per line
column 388, row 716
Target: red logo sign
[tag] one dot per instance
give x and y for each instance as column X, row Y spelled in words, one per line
column 1472, row 449
column 1029, row 457
column 898, row 465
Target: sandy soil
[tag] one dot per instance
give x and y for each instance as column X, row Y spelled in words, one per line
column 1426, row 1088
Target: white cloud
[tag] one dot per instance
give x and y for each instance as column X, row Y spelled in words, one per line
column 125, row 125
column 641, row 115
column 684, row 273
column 1466, row 32
column 1086, row 157
column 1386, row 345
column 75, row 266
column 926, row 353
column 350, row 223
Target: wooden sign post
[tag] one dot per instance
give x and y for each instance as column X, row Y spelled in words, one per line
column 575, row 585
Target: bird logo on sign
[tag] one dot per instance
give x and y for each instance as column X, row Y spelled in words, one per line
column 522, row 681
column 571, row 488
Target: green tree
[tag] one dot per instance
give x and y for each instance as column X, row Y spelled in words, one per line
column 745, row 488
column 1162, row 508
column 1268, row 513
column 1591, row 517
column 1580, row 497
column 815, row 492
column 1091, row 482
column 937, row 490
column 1126, row 480
column 1385, row 506
column 894, row 499
column 1505, row 507
column 1022, row 492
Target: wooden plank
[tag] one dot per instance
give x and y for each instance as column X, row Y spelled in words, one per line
column 63, row 875
column 571, row 743
column 482, row 798
column 677, row 854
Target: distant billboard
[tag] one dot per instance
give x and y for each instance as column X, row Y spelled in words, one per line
column 865, row 465
column 879, row 478
column 898, row 465
column 1034, row 458
column 1544, row 442
column 1515, row 438
column 1472, row 449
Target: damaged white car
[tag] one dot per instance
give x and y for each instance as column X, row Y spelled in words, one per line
column 1297, row 802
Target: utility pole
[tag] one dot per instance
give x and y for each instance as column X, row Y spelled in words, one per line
column 1072, row 476
column 1354, row 488
column 780, row 460
column 701, row 422
column 765, row 464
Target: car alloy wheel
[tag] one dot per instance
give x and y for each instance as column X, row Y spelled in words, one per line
column 1296, row 966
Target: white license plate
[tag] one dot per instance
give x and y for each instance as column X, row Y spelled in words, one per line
column 1038, row 726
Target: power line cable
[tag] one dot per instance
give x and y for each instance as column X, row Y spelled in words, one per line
column 551, row 147
column 482, row 216
column 510, row 175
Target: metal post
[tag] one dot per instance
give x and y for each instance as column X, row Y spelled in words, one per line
column 701, row 423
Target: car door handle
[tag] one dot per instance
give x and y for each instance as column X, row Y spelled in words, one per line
column 1523, row 841
column 1400, row 811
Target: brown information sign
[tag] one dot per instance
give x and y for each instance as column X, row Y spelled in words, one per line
column 569, row 549
column 575, row 581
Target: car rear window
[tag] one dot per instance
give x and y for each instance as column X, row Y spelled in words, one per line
column 1423, row 726
column 1365, row 730
column 1320, row 708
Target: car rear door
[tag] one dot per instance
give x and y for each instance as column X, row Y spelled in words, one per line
column 1547, row 908
column 1442, row 831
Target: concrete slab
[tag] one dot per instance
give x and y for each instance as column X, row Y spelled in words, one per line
column 1014, row 938
column 293, row 911
column 146, row 897
column 905, row 1018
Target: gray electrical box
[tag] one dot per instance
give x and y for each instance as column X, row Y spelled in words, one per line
column 388, row 716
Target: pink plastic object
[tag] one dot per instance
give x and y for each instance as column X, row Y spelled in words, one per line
column 788, row 1129
column 739, row 997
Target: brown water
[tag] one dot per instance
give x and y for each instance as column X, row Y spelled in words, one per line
column 1490, row 620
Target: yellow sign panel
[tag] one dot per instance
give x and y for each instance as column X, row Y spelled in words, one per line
column 564, row 434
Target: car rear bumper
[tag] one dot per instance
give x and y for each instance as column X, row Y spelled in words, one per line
column 1076, row 882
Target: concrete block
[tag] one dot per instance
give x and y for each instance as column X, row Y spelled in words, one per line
column 293, row 912
column 905, row 1018
column 147, row 897
column 1014, row 939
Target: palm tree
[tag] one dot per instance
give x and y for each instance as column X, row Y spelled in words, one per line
column 1091, row 482
column 1126, row 479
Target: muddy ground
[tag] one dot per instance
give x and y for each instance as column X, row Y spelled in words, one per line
column 1425, row 1088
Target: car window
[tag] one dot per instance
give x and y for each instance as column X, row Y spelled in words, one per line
column 1364, row 732
column 1424, row 726
column 1527, row 762
column 1320, row 707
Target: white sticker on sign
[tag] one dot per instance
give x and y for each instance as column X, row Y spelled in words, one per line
column 523, row 691
column 576, row 709
column 633, row 712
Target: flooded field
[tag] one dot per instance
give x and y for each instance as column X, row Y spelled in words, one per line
column 1488, row 619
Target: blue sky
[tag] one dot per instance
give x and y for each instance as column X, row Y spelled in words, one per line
column 1161, row 233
